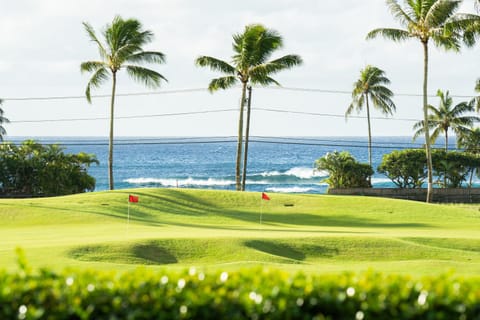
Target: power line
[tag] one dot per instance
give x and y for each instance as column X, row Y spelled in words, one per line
column 275, row 110
column 275, row 140
column 148, row 93
column 126, row 117
column 191, row 90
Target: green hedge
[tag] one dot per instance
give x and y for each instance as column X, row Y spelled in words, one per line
column 245, row 294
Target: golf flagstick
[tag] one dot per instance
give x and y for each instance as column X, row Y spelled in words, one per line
column 128, row 217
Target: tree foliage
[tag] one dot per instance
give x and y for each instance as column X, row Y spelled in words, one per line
column 371, row 86
column 344, row 171
column 33, row 169
column 446, row 117
column 251, row 64
column 408, row 168
column 121, row 48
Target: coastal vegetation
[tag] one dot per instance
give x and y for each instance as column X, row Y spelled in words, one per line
column 250, row 66
column 3, row 120
column 344, row 171
column 447, row 117
column 122, row 48
column 434, row 21
column 33, row 169
column 371, row 86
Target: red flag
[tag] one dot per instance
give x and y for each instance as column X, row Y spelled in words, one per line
column 132, row 198
column 264, row 196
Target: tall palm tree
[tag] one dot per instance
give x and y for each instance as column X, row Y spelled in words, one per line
column 427, row 20
column 446, row 117
column 121, row 49
column 250, row 65
column 371, row 86
column 2, row 121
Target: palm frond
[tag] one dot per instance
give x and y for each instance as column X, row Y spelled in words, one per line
column 215, row 64
column 222, row 83
column 263, row 80
column 274, row 66
column 438, row 12
column 148, row 77
column 390, row 33
column 147, row 57
column 93, row 37
column 403, row 17
column 90, row 66
column 99, row 76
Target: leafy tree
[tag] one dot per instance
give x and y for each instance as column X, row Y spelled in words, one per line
column 122, row 48
column 2, row 121
column 452, row 168
column 250, row 65
column 426, row 21
column 33, row 169
column 371, row 86
column 469, row 141
column 446, row 117
column 344, row 171
column 406, row 168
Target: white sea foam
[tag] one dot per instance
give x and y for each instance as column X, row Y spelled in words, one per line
column 181, row 182
column 290, row 189
column 299, row 172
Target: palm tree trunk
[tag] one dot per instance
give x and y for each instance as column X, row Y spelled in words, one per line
column 247, row 136
column 110, row 140
column 446, row 150
column 446, row 140
column 238, row 165
column 427, row 130
column 369, row 133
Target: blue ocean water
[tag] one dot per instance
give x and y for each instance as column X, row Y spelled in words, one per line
column 274, row 165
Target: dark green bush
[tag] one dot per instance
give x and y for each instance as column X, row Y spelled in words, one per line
column 34, row 169
column 245, row 294
column 344, row 171
column 408, row 168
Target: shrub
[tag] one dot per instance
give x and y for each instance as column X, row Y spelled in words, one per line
column 245, row 294
column 344, row 171
column 406, row 168
column 33, row 169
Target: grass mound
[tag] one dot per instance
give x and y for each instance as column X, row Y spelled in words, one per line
column 179, row 227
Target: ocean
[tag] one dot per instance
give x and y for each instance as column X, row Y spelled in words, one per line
column 274, row 164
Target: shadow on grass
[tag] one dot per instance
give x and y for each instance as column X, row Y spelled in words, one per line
column 285, row 250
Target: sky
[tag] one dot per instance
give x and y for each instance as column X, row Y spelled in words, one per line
column 44, row 42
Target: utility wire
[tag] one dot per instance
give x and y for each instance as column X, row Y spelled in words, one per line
column 275, row 110
column 191, row 90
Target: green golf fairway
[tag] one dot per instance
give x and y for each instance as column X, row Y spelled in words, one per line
column 179, row 228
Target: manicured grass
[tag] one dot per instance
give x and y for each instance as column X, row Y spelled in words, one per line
column 178, row 228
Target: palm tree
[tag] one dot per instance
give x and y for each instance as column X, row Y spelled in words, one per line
column 427, row 20
column 250, row 65
column 371, row 86
column 121, row 49
column 2, row 121
column 446, row 117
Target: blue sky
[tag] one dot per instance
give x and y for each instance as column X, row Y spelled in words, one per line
column 43, row 43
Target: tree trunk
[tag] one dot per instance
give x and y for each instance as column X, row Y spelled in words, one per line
column 247, row 136
column 425, row 120
column 369, row 134
column 238, row 164
column 110, row 138
column 446, row 150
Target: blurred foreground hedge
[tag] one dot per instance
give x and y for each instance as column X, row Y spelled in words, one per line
column 245, row 294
